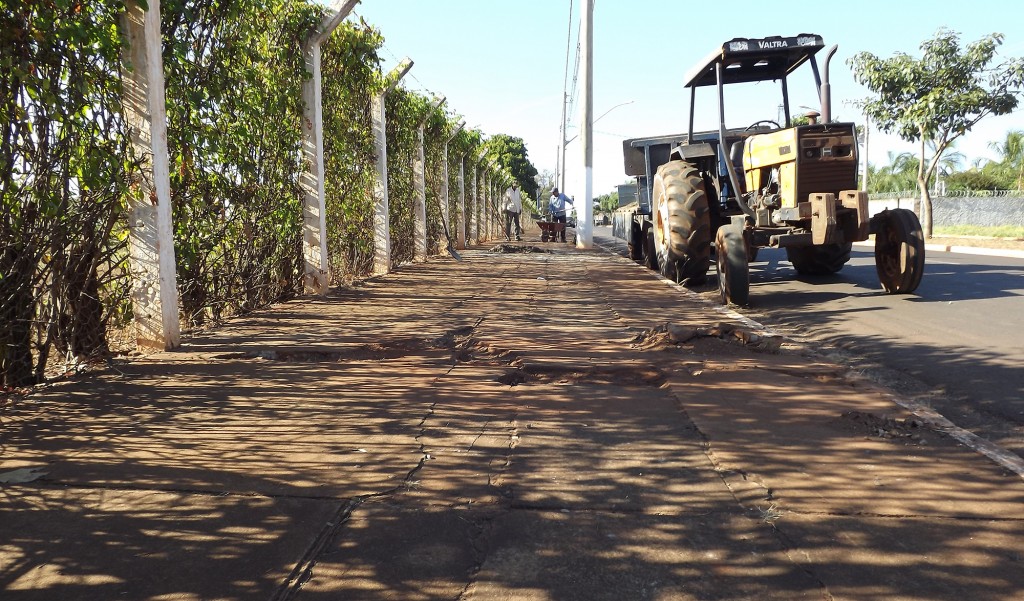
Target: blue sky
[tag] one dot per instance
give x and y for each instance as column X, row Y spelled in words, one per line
column 501, row 63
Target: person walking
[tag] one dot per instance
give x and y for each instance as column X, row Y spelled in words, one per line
column 513, row 210
column 556, row 206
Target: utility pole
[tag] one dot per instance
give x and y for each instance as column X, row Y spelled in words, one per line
column 560, row 176
column 585, row 214
column 560, row 157
column 867, row 129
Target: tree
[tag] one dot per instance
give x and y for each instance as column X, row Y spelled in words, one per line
column 938, row 97
column 511, row 155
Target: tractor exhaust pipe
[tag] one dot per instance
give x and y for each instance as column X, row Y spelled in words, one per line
column 826, row 88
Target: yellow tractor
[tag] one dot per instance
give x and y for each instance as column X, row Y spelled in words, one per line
column 768, row 184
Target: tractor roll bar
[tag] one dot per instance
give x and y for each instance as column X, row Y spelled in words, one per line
column 734, row 179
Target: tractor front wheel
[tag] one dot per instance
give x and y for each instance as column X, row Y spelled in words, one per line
column 899, row 251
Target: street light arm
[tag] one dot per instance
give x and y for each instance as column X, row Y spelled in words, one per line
column 602, row 115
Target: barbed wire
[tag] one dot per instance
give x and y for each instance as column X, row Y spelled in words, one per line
column 948, row 194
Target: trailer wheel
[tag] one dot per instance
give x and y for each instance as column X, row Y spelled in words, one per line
column 899, row 251
column 650, row 254
column 636, row 242
column 682, row 223
column 823, row 259
column 733, row 267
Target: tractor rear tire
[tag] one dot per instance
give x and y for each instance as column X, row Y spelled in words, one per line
column 824, row 259
column 899, row 251
column 733, row 266
column 682, row 223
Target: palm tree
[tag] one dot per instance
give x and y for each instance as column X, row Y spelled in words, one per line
column 898, row 176
column 1012, row 152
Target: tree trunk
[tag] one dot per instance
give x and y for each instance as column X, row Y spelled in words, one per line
column 922, row 184
column 926, row 208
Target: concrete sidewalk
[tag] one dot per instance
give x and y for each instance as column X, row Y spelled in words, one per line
column 539, row 426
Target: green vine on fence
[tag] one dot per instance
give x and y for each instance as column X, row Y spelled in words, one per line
column 234, row 95
column 64, row 172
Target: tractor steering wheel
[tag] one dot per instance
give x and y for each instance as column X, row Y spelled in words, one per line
column 767, row 121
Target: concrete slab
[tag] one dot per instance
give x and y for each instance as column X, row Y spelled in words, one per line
column 587, row 556
column 102, row 544
column 394, row 553
column 817, row 444
column 926, row 558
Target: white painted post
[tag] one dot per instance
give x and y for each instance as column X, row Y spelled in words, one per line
column 316, row 277
column 151, row 232
column 584, row 214
column 445, row 187
column 381, row 214
column 463, row 221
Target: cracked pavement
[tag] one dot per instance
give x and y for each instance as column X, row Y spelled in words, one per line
column 505, row 427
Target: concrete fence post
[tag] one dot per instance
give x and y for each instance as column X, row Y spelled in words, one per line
column 473, row 221
column 316, row 277
column 484, row 198
column 382, row 213
column 463, row 222
column 419, row 212
column 419, row 167
column 446, row 188
column 151, row 232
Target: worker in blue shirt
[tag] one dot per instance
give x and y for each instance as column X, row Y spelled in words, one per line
column 556, row 206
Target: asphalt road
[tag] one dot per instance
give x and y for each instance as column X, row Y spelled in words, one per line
column 957, row 343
